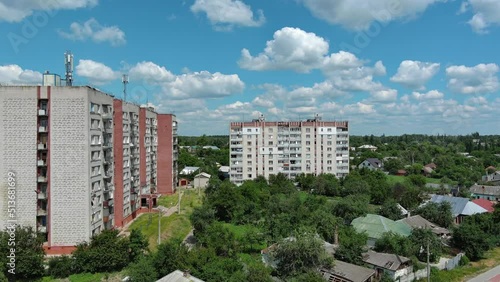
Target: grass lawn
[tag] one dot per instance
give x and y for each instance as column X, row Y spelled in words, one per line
column 175, row 226
column 464, row 273
column 240, row 231
column 89, row 277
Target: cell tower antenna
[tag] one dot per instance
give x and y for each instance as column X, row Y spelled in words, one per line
column 125, row 82
column 68, row 62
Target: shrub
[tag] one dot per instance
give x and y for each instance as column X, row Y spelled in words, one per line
column 61, row 267
column 464, row 260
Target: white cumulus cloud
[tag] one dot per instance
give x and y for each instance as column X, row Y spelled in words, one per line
column 96, row 32
column 431, row 95
column 224, row 14
column 151, row 72
column 360, row 14
column 16, row 10
column 486, row 14
column 290, row 48
column 204, row 85
column 415, row 74
column 14, row 75
column 478, row 79
column 96, row 72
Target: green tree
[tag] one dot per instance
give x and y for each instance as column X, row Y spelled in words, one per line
column 170, row 256
column 326, row 184
column 420, row 238
column 393, row 243
column 390, row 210
column 299, row 254
column 351, row 245
column 219, row 238
column 201, row 218
column 258, row 272
column 472, row 240
column 392, row 165
column 61, row 267
column 138, row 244
column 417, row 180
column 29, row 254
column 104, row 253
column 439, row 214
column 142, row 270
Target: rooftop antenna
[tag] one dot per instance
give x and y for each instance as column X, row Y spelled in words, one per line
column 125, row 82
column 68, row 62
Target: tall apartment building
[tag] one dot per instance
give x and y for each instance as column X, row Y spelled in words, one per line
column 84, row 160
column 292, row 147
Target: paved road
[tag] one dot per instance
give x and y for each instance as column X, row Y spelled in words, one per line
column 492, row 275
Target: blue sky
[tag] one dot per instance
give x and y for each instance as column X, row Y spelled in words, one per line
column 388, row 66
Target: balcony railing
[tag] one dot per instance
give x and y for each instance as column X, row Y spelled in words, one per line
column 42, row 129
column 41, row 196
column 41, row 212
column 41, row 163
column 42, row 229
column 42, row 112
column 42, row 178
column 42, row 146
column 107, row 115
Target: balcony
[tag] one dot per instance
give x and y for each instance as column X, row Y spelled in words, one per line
column 42, row 229
column 41, row 196
column 108, row 175
column 41, row 212
column 42, row 129
column 41, row 162
column 42, row 146
column 42, row 178
column 42, row 112
column 105, row 219
column 107, row 115
column 107, row 145
column 111, row 202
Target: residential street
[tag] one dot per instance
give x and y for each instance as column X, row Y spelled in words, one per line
column 492, row 275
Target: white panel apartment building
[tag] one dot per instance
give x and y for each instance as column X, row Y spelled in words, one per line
column 292, row 147
column 83, row 162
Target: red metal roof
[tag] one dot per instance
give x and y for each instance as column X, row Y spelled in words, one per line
column 485, row 204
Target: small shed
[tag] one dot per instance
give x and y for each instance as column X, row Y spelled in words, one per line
column 201, row 180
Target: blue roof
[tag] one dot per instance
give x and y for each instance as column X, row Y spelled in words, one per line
column 458, row 205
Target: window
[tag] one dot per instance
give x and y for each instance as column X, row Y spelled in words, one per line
column 329, row 155
column 270, row 130
column 308, row 136
column 271, row 162
column 249, row 130
column 271, row 169
column 249, row 156
column 249, row 169
column 94, row 108
column 329, row 143
column 308, row 130
column 95, row 124
column 95, row 140
column 329, row 130
column 308, row 156
column 270, row 143
column 308, row 149
column 96, row 155
column 249, row 143
column 249, row 163
column 126, row 140
column 249, row 150
column 308, row 142
column 249, row 175
column 96, row 170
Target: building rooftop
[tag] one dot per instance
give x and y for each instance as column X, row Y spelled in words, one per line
column 459, row 206
column 383, row 260
column 485, row 204
column 179, row 276
column 347, row 271
column 376, row 225
column 203, row 174
column 417, row 221
column 485, row 190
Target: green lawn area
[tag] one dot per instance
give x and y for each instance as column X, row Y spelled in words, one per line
column 89, row 277
column 464, row 273
column 393, row 179
column 175, row 226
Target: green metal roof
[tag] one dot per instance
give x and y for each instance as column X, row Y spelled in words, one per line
column 376, row 225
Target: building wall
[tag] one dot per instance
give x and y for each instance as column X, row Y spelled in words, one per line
column 18, row 137
column 118, row 159
column 167, row 159
column 69, row 166
column 266, row 148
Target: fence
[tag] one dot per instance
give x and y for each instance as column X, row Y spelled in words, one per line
column 422, row 273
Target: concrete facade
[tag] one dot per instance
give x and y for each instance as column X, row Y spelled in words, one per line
column 266, row 148
column 77, row 157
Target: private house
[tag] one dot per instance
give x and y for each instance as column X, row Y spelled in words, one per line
column 395, row 266
column 183, row 182
column 485, row 204
column 372, row 164
column 188, row 170
column 491, row 193
column 211, row 148
column 417, row 221
column 201, row 180
column 179, row 276
column 224, row 172
column 376, row 225
column 492, row 177
column 346, row 272
column 368, row 147
column 428, row 169
column 460, row 207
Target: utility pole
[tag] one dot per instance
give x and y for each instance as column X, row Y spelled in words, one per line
column 179, row 204
column 428, row 265
column 159, row 226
